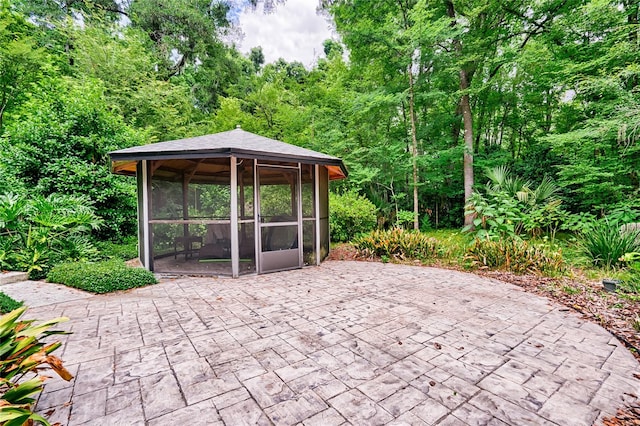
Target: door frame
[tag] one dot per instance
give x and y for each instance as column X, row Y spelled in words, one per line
column 259, row 225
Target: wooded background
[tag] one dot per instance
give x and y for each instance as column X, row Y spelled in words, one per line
column 418, row 97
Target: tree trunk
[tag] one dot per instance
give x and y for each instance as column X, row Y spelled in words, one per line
column 414, row 151
column 467, row 120
column 468, row 142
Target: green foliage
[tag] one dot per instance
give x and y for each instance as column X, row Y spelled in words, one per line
column 124, row 250
column 23, row 356
column 605, row 244
column 558, row 98
column 350, row 215
column 404, row 219
column 101, row 277
column 512, row 206
column 398, row 244
column 60, row 145
column 22, row 62
column 515, row 255
column 37, row 232
column 631, row 279
column 7, row 304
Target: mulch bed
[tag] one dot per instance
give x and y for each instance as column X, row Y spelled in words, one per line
column 612, row 312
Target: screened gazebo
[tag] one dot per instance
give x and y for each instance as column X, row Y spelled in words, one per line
column 230, row 203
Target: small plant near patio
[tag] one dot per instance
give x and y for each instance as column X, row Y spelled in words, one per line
column 23, row 355
column 397, row 244
column 570, row 290
column 101, row 277
column 516, row 256
column 7, row 304
column 604, row 244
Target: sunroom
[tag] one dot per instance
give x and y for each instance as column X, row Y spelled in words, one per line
column 230, row 203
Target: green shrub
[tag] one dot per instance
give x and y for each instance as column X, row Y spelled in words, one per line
column 514, row 255
column 8, row 304
column 604, row 244
column 123, row 250
column 22, row 358
column 396, row 243
column 404, row 219
column 101, row 277
column 631, row 278
column 37, row 232
column 511, row 206
column 350, row 215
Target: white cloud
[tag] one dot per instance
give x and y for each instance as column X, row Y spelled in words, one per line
column 294, row 31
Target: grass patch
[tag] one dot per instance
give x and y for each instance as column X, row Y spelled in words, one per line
column 7, row 304
column 101, row 277
column 452, row 244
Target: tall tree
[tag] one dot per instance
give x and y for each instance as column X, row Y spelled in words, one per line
column 183, row 32
column 381, row 46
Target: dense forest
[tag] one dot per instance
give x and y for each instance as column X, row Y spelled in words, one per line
column 420, row 98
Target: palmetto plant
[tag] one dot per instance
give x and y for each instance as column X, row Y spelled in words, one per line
column 502, row 180
column 511, row 205
column 22, row 355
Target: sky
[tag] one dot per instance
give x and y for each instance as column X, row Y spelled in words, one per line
column 293, row 31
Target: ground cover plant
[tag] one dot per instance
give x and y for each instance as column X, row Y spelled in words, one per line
column 8, row 304
column 101, row 277
column 23, row 356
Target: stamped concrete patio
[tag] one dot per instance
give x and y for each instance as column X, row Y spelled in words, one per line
column 344, row 343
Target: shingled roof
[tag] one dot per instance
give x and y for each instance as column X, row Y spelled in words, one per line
column 237, row 142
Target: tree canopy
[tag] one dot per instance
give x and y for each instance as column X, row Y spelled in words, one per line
column 419, row 97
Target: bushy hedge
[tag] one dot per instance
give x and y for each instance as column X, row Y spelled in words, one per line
column 350, row 214
column 101, row 277
column 514, row 255
column 397, row 243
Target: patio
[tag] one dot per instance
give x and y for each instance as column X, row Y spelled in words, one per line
column 345, row 342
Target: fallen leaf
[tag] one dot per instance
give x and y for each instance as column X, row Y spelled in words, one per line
column 437, row 345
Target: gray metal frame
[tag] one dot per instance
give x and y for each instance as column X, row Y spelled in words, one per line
column 280, row 260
